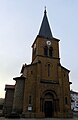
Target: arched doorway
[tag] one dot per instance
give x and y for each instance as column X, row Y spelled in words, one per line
column 48, row 106
column 49, row 103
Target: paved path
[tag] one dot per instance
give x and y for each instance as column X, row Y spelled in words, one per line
column 75, row 118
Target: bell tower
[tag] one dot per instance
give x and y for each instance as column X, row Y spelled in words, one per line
column 45, row 45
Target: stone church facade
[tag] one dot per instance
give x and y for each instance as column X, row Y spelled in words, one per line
column 43, row 89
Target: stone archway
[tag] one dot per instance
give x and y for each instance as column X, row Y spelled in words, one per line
column 49, row 103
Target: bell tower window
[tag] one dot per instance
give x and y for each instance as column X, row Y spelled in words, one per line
column 46, row 51
column 34, row 49
column 50, row 51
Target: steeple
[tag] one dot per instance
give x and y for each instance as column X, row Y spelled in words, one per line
column 45, row 30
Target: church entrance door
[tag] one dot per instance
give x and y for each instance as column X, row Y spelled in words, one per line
column 49, row 103
column 48, row 109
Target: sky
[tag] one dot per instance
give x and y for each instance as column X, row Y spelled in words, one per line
column 20, row 22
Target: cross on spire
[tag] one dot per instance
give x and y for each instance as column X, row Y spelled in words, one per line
column 45, row 10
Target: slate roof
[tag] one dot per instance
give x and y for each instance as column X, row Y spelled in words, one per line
column 45, row 30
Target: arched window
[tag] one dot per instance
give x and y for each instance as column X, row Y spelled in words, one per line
column 46, row 50
column 66, row 101
column 29, row 99
column 50, row 51
column 48, row 69
column 34, row 51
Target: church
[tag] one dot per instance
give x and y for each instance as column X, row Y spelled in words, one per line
column 43, row 89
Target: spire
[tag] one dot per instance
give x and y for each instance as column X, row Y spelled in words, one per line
column 45, row 30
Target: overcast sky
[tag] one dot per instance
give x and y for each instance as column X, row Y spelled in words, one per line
column 20, row 21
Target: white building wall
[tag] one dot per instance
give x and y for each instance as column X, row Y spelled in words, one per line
column 74, row 102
